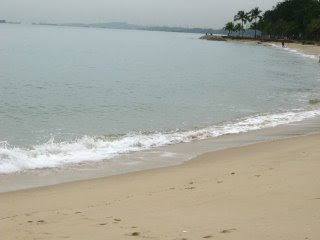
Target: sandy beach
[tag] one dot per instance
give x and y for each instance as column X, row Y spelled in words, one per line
column 263, row 191
column 307, row 49
column 120, row 125
column 304, row 48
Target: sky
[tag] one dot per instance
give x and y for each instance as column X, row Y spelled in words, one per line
column 185, row 13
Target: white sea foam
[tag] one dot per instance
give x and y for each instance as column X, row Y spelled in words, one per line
column 53, row 154
column 295, row 51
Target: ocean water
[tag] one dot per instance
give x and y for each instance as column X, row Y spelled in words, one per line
column 76, row 95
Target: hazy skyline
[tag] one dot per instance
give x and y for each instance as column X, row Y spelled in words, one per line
column 186, row 13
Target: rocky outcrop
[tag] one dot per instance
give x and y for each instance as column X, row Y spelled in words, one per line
column 213, row 38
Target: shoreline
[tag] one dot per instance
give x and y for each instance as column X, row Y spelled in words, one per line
column 54, row 160
column 306, row 49
column 294, row 45
column 86, row 170
column 266, row 191
column 256, row 184
column 165, row 156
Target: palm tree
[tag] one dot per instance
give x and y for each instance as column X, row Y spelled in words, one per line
column 255, row 15
column 229, row 27
column 243, row 17
column 238, row 28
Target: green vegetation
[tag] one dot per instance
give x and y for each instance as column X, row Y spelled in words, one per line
column 293, row 19
column 229, row 27
column 238, row 28
column 255, row 15
column 243, row 17
column 290, row 19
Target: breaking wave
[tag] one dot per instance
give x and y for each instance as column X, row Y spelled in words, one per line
column 55, row 154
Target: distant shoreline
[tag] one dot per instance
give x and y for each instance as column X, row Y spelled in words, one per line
column 306, row 47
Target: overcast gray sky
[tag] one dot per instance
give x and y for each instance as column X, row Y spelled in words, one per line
column 187, row 13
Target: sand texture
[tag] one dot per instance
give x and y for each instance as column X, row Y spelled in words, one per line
column 304, row 48
column 258, row 192
column 307, row 49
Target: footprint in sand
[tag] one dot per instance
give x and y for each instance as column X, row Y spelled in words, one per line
column 116, row 220
column 228, row 230
column 135, row 234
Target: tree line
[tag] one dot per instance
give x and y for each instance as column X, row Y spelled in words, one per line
column 253, row 17
column 290, row 19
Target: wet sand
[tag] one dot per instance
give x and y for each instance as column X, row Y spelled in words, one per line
column 263, row 191
column 304, row 48
column 307, row 49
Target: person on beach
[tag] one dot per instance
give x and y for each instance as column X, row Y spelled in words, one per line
column 282, row 43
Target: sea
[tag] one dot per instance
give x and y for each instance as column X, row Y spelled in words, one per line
column 78, row 103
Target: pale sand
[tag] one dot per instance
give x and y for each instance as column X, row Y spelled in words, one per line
column 262, row 191
column 307, row 49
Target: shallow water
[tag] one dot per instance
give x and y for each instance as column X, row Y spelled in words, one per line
column 71, row 95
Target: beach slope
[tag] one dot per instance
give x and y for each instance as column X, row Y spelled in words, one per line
column 263, row 191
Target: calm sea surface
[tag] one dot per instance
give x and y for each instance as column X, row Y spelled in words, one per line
column 69, row 95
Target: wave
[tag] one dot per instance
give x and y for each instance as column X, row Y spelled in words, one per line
column 55, row 154
column 296, row 51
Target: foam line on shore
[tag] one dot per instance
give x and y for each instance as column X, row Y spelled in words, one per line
column 295, row 51
column 56, row 154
